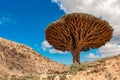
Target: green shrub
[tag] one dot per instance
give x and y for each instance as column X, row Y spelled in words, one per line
column 50, row 77
column 63, row 77
column 77, row 67
column 26, row 78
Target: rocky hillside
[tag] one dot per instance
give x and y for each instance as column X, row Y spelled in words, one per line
column 19, row 59
column 19, row 62
column 104, row 69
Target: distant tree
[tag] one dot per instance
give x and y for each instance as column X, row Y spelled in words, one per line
column 78, row 32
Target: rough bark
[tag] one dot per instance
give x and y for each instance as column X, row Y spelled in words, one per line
column 76, row 57
column 78, row 31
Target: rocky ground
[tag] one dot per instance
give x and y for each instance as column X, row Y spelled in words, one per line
column 104, row 69
column 20, row 60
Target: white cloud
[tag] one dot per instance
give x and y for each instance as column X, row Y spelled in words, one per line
column 108, row 9
column 5, row 19
column 55, row 1
column 110, row 50
column 59, row 4
column 46, row 46
column 92, row 56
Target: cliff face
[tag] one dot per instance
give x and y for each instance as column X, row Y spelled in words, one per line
column 19, row 59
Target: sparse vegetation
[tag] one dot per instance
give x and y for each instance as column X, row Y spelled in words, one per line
column 96, row 65
column 26, row 78
column 21, row 60
column 77, row 67
column 107, row 68
column 96, row 69
column 103, row 60
column 63, row 76
column 4, row 78
column 44, row 78
column 50, row 77
column 108, row 76
column 11, row 68
column 15, row 77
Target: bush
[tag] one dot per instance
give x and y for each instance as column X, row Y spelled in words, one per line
column 63, row 77
column 26, row 78
column 77, row 67
column 50, row 77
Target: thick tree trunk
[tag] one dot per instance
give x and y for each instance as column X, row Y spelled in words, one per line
column 76, row 57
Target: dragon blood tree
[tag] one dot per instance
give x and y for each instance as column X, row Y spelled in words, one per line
column 78, row 32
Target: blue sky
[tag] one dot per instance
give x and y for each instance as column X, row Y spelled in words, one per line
column 25, row 21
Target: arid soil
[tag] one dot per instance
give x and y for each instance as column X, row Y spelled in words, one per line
column 19, row 60
column 104, row 69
